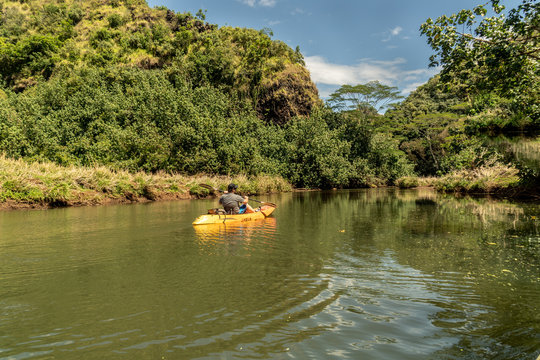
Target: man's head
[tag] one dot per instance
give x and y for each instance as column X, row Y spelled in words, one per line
column 232, row 187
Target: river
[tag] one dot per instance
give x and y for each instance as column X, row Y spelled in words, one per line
column 364, row 274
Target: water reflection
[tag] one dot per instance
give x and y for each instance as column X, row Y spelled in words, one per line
column 240, row 239
column 383, row 273
column 287, row 289
column 217, row 233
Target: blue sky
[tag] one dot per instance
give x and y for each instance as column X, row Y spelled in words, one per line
column 343, row 41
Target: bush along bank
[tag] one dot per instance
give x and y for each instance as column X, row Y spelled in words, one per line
column 44, row 185
column 498, row 180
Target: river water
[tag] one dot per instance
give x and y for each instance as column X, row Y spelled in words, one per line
column 367, row 274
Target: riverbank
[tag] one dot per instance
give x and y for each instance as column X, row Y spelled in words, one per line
column 499, row 180
column 488, row 180
column 42, row 185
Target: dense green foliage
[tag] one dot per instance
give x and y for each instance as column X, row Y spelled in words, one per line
column 494, row 59
column 40, row 39
column 85, row 118
column 116, row 83
column 488, row 86
column 438, row 130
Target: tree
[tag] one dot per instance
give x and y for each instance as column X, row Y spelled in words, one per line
column 367, row 98
column 499, row 53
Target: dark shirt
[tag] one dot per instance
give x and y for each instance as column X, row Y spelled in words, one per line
column 230, row 202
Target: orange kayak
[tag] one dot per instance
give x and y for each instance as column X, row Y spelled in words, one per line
column 262, row 212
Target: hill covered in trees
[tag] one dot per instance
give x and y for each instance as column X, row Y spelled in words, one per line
column 115, row 83
column 43, row 39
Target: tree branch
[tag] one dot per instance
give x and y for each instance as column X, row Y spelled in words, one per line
column 531, row 54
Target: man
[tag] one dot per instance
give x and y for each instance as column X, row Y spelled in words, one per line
column 231, row 201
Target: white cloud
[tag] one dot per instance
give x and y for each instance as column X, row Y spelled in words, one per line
column 267, row 3
column 253, row 3
column 396, row 61
column 395, row 31
column 390, row 34
column 411, row 87
column 337, row 74
column 248, row 2
column 389, row 73
column 415, row 74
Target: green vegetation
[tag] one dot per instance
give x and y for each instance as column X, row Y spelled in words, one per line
column 24, row 184
column 482, row 180
column 117, row 85
column 494, row 60
column 489, row 85
column 41, row 40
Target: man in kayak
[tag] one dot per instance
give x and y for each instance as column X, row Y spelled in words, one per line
column 234, row 203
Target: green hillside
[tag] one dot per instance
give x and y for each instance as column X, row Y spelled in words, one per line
column 40, row 39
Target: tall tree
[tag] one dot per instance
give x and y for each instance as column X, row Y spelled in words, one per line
column 366, row 98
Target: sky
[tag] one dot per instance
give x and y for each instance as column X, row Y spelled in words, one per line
column 343, row 41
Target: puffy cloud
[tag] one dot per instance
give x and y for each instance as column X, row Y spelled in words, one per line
column 327, row 75
column 336, row 74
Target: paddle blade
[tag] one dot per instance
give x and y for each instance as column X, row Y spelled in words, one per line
column 264, row 202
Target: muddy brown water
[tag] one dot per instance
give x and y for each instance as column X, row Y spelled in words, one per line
column 367, row 274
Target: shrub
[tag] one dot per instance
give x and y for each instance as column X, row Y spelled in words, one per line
column 316, row 156
column 115, row 21
column 484, row 179
column 385, row 158
column 407, row 182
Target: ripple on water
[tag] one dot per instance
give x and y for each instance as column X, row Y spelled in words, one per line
column 148, row 286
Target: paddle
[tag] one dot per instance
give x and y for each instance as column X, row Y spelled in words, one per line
column 210, row 187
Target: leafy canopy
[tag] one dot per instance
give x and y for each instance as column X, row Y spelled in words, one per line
column 499, row 53
column 371, row 97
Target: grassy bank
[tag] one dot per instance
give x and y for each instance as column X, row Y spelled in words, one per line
column 500, row 179
column 43, row 184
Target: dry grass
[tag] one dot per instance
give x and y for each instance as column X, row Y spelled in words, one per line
column 407, row 182
column 48, row 184
column 487, row 179
column 483, row 179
